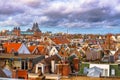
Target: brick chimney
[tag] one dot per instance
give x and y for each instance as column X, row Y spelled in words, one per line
column 76, row 64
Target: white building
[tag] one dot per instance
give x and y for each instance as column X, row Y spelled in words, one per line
column 105, row 68
column 53, row 51
column 23, row 49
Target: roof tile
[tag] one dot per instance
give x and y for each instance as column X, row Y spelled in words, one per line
column 12, row 46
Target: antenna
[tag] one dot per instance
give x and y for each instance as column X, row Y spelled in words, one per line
column 67, row 30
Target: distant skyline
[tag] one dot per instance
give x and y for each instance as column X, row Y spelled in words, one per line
column 78, row 16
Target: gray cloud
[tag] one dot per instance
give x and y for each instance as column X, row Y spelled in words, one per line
column 61, row 13
column 7, row 8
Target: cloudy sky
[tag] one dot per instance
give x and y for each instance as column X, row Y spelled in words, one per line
column 76, row 16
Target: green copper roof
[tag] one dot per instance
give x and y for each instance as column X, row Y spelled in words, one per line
column 22, row 33
column 26, row 33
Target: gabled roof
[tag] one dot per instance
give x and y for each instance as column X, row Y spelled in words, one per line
column 32, row 48
column 75, row 51
column 93, row 55
column 63, row 52
column 12, row 47
column 49, row 59
column 41, row 48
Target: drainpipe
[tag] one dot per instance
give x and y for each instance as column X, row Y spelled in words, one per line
column 53, row 66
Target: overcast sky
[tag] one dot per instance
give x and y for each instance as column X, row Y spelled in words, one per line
column 78, row 16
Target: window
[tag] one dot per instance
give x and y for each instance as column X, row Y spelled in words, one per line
column 24, row 64
column 119, row 57
column 113, row 72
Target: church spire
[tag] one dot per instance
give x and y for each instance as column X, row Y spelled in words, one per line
column 36, row 27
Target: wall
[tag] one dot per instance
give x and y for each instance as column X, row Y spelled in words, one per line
column 53, row 51
column 23, row 49
column 117, row 70
column 39, row 65
column 81, row 72
column 17, row 64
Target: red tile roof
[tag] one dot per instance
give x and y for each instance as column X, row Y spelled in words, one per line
column 41, row 49
column 38, row 50
column 12, row 46
column 32, row 48
column 60, row 40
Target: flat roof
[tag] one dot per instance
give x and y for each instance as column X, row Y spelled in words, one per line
column 22, row 56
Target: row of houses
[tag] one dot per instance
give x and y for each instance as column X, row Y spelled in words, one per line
column 55, row 54
column 63, row 46
column 44, row 56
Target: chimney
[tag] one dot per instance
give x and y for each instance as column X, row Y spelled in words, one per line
column 76, row 64
column 14, row 74
column 65, row 70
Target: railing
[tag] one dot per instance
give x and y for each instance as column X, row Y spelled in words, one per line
column 1, row 78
